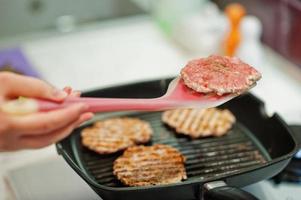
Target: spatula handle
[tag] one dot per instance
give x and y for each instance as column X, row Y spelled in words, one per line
column 110, row 104
column 26, row 106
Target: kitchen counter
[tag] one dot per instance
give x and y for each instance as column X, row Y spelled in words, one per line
column 133, row 49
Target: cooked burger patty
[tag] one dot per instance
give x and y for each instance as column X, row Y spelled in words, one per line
column 111, row 135
column 199, row 122
column 150, row 165
column 219, row 74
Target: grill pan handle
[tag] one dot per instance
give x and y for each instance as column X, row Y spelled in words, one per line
column 218, row 190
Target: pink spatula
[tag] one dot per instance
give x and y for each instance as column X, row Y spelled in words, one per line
column 177, row 95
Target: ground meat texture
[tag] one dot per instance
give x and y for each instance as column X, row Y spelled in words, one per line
column 219, row 74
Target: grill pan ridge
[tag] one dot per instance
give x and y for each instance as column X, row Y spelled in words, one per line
column 256, row 148
column 206, row 158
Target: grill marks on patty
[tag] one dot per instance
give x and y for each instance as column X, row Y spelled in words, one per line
column 150, row 165
column 198, row 123
column 115, row 134
column 219, row 74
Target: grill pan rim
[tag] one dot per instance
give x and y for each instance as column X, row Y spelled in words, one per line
column 194, row 181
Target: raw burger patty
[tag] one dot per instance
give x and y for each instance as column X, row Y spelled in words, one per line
column 199, row 122
column 219, row 74
column 150, row 165
column 111, row 135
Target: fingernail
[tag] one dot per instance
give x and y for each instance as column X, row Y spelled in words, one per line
column 87, row 117
column 85, row 107
column 90, row 116
column 59, row 94
column 77, row 93
column 67, row 89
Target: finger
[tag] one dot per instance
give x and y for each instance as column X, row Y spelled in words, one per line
column 48, row 121
column 40, row 141
column 85, row 117
column 18, row 85
column 71, row 92
column 76, row 93
column 48, row 139
column 68, row 90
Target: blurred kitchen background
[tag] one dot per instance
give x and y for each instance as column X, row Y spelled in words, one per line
column 280, row 18
column 90, row 44
column 64, row 31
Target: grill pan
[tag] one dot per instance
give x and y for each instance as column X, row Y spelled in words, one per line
column 257, row 147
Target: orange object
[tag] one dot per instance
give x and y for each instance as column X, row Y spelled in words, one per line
column 235, row 12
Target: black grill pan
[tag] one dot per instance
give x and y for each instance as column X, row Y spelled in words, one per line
column 256, row 148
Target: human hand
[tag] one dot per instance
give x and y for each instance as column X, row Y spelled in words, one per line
column 36, row 130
